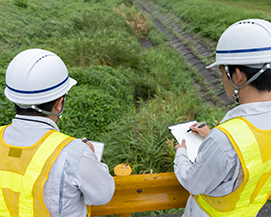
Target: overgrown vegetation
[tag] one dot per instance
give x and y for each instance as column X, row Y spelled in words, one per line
column 101, row 51
column 136, row 19
column 125, row 96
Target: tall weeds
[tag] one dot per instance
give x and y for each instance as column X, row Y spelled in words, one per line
column 138, row 20
column 125, row 96
column 141, row 138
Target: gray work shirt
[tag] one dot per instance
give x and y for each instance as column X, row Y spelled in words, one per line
column 76, row 178
column 217, row 171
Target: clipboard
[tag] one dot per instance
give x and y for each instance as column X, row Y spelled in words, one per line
column 179, row 131
column 99, row 148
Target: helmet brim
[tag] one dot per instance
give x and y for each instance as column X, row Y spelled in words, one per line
column 212, row 65
column 72, row 82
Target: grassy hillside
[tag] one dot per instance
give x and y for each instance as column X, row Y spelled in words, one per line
column 248, row 5
column 210, row 18
column 117, row 80
column 125, row 96
column 100, row 50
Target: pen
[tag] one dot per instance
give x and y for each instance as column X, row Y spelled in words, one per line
column 198, row 126
column 85, row 140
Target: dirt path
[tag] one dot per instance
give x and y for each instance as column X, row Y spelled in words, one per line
column 193, row 50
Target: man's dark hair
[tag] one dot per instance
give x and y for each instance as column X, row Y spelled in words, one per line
column 262, row 83
column 31, row 112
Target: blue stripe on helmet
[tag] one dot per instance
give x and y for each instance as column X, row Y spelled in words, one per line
column 38, row 91
column 244, row 50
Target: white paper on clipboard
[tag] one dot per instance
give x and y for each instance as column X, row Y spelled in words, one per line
column 179, row 131
column 99, row 148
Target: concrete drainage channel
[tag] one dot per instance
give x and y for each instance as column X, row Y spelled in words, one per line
column 194, row 56
column 192, row 50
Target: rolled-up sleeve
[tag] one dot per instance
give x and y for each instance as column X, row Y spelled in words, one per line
column 94, row 180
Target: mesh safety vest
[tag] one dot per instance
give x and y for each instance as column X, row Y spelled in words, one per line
column 253, row 147
column 23, row 173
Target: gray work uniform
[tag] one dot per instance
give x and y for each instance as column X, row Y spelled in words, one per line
column 76, row 178
column 217, row 171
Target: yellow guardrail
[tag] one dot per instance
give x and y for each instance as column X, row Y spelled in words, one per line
column 140, row 193
column 144, row 192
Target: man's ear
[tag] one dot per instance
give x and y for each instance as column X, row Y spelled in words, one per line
column 239, row 77
column 58, row 105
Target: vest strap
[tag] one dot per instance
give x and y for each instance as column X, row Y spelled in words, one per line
column 255, row 188
column 24, row 183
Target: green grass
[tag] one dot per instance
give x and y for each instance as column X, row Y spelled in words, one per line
column 248, row 5
column 209, row 18
column 125, row 96
column 101, row 51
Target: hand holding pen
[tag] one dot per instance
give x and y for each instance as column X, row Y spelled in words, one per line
column 86, row 140
column 200, row 128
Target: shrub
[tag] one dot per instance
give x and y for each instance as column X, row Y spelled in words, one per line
column 21, row 3
column 101, row 97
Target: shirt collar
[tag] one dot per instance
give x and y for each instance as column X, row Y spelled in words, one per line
column 248, row 109
column 36, row 120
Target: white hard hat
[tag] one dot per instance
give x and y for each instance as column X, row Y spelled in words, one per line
column 246, row 42
column 36, row 76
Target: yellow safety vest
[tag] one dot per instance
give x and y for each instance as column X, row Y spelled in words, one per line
column 253, row 147
column 23, row 173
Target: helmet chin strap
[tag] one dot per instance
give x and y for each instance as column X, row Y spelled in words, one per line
column 35, row 107
column 254, row 77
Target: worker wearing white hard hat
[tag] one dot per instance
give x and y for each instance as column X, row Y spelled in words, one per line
column 231, row 175
column 44, row 172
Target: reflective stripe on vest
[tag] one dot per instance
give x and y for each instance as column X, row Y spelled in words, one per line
column 23, row 173
column 253, row 147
